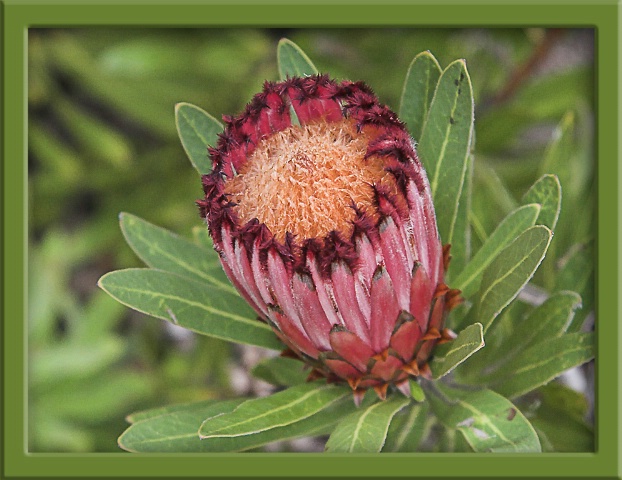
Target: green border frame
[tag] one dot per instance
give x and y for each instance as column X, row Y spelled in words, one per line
column 17, row 16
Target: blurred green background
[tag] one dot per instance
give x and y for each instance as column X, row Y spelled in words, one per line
column 102, row 140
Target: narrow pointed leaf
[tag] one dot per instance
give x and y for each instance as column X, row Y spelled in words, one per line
column 514, row 224
column 547, row 191
column 449, row 355
column 168, row 409
column 277, row 410
column 407, row 430
column 293, row 61
column 509, row 272
column 178, row 431
column 445, row 144
column 162, row 249
column 197, row 130
column 488, row 421
column 543, row 362
column 172, row 429
column 204, row 309
column 419, row 86
column 281, row 371
column 365, row 430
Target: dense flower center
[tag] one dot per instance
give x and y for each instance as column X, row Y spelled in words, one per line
column 305, row 180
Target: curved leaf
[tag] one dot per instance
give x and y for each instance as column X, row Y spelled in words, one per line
column 445, row 144
column 511, row 226
column 172, row 429
column 509, row 272
column 543, row 362
column 547, row 191
column 293, row 61
column 197, row 130
column 365, row 430
column 277, row 410
column 168, row 409
column 449, row 355
column 488, row 421
column 162, row 249
column 548, row 320
column 204, row 309
column 178, row 430
column 418, row 92
column 407, row 429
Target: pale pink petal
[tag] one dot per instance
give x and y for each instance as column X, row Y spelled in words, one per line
column 310, row 310
column 384, row 310
column 328, row 304
column 345, row 295
column 279, row 281
column 396, row 260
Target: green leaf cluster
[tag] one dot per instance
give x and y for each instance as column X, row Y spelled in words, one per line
column 508, row 348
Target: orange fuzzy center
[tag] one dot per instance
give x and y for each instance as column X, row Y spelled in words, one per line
column 304, row 180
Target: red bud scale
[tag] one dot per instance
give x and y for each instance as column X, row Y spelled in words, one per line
column 326, row 227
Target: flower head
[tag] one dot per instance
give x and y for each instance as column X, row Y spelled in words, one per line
column 325, row 224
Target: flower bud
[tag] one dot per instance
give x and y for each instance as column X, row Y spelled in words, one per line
column 325, row 224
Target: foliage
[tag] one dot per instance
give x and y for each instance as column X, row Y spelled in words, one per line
column 494, row 387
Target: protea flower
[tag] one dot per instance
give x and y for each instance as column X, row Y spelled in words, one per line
column 325, row 224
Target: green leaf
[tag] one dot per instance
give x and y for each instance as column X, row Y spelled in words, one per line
column 547, row 192
column 365, row 430
column 461, row 246
column 511, row 226
column 450, row 441
column 281, row 371
column 168, row 409
column 449, row 355
column 174, row 431
column 445, row 144
column 488, row 421
column 178, row 430
column 408, row 427
column 543, row 362
column 416, row 391
column 162, row 249
column 549, row 320
column 418, row 92
column 509, row 272
column 277, row 410
column 197, row 130
column 293, row 61
column 204, row 309
column 577, row 274
column 558, row 415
